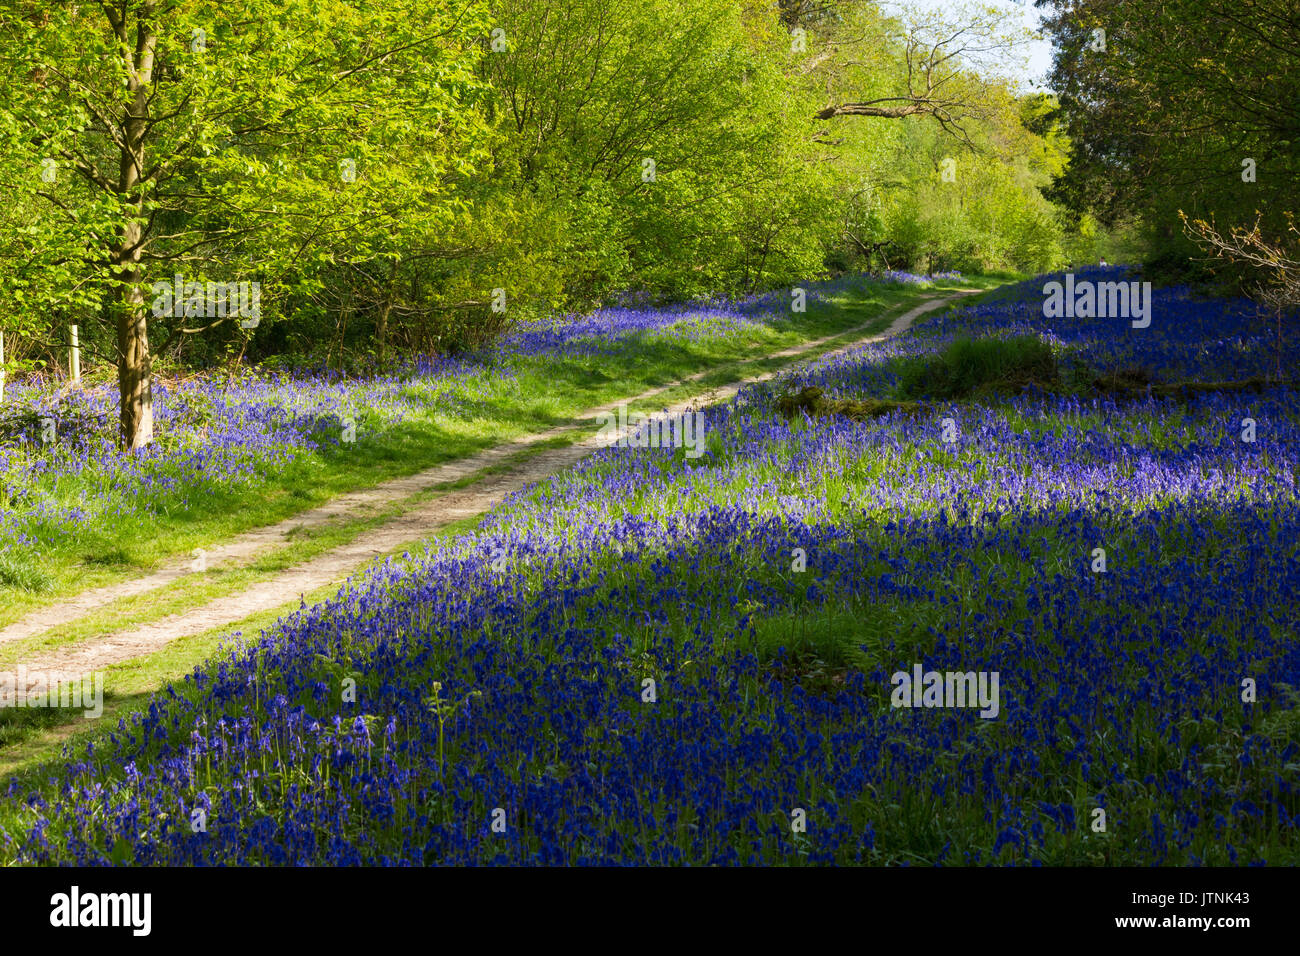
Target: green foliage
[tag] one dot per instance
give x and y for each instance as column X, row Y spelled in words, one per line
column 968, row 366
column 1189, row 107
column 974, row 211
column 665, row 142
column 427, row 154
column 933, row 196
column 284, row 140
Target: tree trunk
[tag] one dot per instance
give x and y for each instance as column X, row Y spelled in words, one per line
column 762, row 261
column 134, row 366
column 126, row 301
column 381, row 324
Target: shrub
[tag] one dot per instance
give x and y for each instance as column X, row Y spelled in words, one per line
column 968, row 366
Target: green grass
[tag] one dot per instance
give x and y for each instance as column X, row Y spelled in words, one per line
column 21, row 571
column 970, row 366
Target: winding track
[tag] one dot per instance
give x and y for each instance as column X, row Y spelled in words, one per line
column 336, row 565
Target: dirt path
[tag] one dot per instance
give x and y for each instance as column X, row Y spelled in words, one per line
column 336, row 565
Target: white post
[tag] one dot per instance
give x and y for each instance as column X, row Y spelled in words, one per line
column 74, row 356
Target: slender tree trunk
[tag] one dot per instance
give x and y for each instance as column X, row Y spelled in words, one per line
column 381, row 328
column 134, row 364
column 134, row 367
column 344, row 317
column 236, row 361
column 381, row 324
column 762, row 261
column 74, row 353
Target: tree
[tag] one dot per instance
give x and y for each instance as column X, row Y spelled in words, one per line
column 937, row 78
column 661, row 138
column 1179, row 105
column 244, row 136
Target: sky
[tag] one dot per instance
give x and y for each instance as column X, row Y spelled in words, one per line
column 1034, row 74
